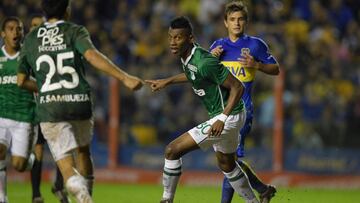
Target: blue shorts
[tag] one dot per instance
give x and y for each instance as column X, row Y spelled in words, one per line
column 245, row 130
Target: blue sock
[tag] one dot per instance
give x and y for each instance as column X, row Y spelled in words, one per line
column 227, row 191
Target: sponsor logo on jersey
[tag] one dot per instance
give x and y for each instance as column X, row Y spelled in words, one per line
column 192, row 68
column 3, row 59
column 245, row 51
column 9, row 79
column 52, row 40
column 64, row 98
column 199, row 92
column 241, row 73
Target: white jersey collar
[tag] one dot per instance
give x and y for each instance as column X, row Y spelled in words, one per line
column 47, row 24
column 189, row 57
column 8, row 55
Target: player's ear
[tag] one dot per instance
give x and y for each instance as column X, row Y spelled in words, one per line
column 225, row 23
column 67, row 13
column 191, row 38
column 2, row 34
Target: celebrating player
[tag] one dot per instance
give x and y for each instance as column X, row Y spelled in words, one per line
column 16, row 106
column 55, row 52
column 220, row 93
column 58, row 187
column 244, row 55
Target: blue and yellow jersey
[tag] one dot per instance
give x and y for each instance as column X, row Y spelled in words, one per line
column 232, row 51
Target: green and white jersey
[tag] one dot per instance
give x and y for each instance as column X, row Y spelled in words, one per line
column 54, row 53
column 15, row 103
column 206, row 74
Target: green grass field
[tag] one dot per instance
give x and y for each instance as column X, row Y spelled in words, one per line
column 117, row 193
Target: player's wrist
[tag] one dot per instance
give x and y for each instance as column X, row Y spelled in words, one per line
column 222, row 117
column 257, row 65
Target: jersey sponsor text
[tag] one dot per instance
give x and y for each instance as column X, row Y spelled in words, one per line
column 51, row 39
column 9, row 79
column 199, row 92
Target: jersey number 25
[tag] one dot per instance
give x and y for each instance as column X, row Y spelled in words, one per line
column 60, row 69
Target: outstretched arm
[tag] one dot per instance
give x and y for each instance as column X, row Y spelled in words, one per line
column 102, row 63
column 236, row 90
column 161, row 83
column 25, row 82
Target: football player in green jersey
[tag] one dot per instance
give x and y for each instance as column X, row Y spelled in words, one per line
column 220, row 93
column 16, row 106
column 56, row 52
column 58, row 187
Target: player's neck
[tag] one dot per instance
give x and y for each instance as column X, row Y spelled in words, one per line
column 11, row 51
column 234, row 38
column 53, row 20
column 187, row 52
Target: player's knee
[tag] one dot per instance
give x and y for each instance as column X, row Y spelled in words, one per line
column 171, row 152
column 226, row 163
column 19, row 163
column 227, row 167
column 38, row 151
column 84, row 150
column 2, row 165
column 3, row 150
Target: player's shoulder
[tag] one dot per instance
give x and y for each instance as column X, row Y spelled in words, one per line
column 29, row 38
column 201, row 53
column 204, row 59
column 71, row 27
column 256, row 41
column 221, row 40
column 199, row 50
column 33, row 33
column 217, row 42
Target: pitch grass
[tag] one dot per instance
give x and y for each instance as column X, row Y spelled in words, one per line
column 118, row 193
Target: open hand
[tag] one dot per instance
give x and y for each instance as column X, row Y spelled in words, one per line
column 216, row 129
column 247, row 61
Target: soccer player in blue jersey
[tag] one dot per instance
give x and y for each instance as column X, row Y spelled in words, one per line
column 244, row 55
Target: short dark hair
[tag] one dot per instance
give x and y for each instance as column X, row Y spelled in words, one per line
column 36, row 15
column 54, row 8
column 181, row 22
column 235, row 6
column 9, row 19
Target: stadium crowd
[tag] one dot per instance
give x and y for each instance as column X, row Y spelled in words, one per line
column 317, row 44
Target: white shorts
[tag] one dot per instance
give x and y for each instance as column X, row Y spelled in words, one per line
column 227, row 142
column 63, row 137
column 18, row 136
